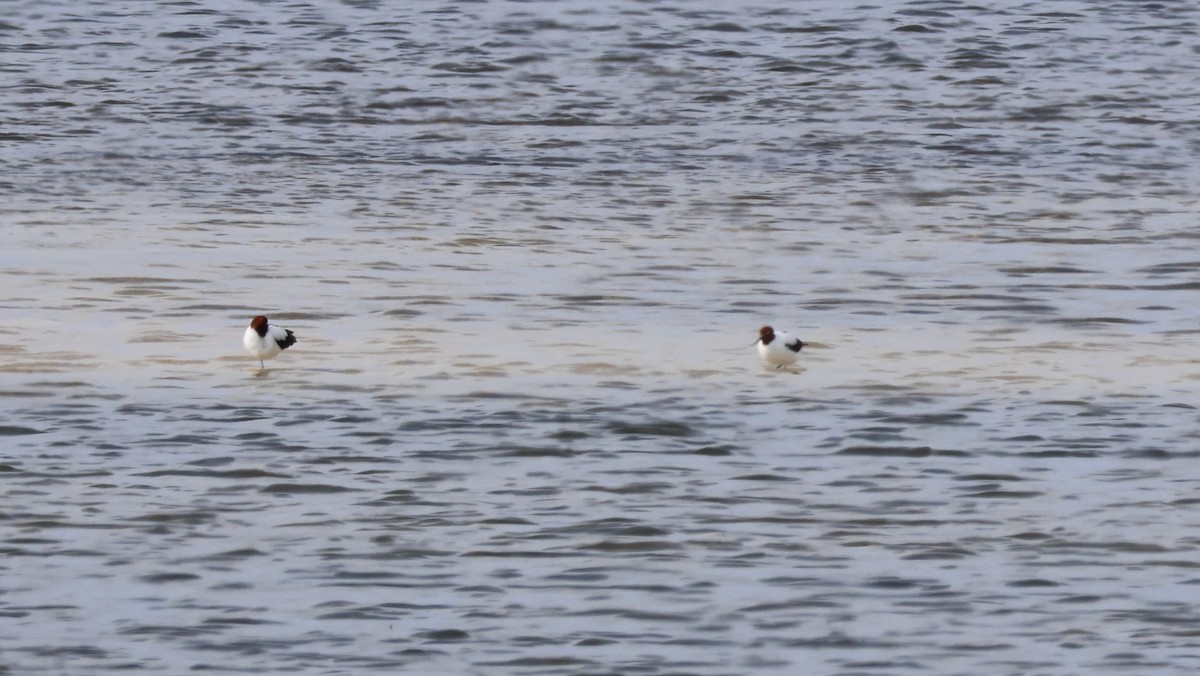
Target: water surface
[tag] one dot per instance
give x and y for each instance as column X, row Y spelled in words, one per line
column 525, row 248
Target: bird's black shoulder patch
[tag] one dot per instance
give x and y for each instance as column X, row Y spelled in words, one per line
column 287, row 342
column 795, row 345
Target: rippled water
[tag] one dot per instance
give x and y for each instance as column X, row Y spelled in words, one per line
column 525, row 247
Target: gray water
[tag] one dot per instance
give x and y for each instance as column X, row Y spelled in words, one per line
column 526, row 247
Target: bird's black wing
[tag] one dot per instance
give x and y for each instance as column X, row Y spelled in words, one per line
column 287, row 342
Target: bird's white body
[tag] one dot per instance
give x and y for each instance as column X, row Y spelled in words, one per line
column 778, row 349
column 265, row 341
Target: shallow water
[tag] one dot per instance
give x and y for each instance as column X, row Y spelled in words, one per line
column 525, row 248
